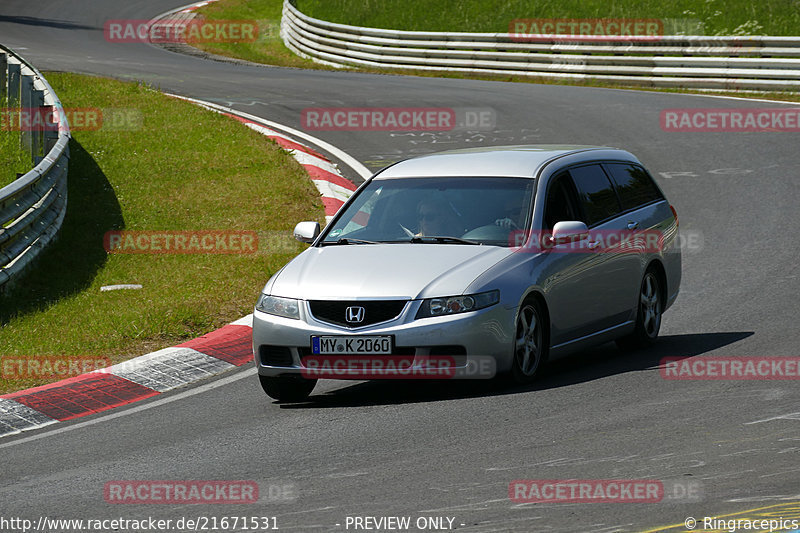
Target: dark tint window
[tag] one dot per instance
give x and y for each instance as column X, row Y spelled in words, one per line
column 634, row 185
column 561, row 204
column 595, row 192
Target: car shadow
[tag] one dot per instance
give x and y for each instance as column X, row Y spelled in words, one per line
column 591, row 364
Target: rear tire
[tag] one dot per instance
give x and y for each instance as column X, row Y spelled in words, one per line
column 531, row 345
column 287, row 389
column 648, row 314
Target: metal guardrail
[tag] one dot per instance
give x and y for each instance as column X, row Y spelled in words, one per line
column 700, row 62
column 33, row 206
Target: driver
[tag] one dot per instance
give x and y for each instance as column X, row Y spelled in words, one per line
column 512, row 209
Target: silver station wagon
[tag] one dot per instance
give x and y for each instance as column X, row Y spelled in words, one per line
column 471, row 263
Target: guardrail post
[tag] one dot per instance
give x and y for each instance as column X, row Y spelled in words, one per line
column 37, row 114
column 14, row 73
column 50, row 130
column 3, row 75
column 26, row 105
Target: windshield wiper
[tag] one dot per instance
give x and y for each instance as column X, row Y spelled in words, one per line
column 345, row 240
column 441, row 239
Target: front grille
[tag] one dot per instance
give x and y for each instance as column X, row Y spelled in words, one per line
column 375, row 311
column 275, row 355
column 448, row 350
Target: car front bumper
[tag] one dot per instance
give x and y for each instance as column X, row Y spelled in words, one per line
column 280, row 344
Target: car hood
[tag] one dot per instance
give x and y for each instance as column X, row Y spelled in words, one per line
column 384, row 271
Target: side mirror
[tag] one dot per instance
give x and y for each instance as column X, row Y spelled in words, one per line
column 569, row 231
column 306, row 231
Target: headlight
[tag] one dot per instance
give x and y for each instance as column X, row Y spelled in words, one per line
column 451, row 305
column 275, row 305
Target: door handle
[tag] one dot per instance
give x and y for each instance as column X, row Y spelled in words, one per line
column 593, row 245
column 633, row 225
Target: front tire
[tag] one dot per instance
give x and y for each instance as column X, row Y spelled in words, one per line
column 648, row 314
column 287, row 389
column 530, row 342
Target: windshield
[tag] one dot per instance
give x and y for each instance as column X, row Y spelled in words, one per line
column 444, row 210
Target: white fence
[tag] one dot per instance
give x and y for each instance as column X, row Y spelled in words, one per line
column 701, row 62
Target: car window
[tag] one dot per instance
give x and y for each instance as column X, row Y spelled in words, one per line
column 634, row 185
column 595, row 193
column 478, row 209
column 561, row 203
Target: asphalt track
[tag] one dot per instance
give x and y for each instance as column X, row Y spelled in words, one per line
column 409, row 449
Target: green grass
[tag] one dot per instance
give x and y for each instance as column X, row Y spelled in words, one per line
column 268, row 47
column 180, row 168
column 13, row 159
column 718, row 17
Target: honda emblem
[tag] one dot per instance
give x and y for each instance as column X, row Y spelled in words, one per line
column 354, row 314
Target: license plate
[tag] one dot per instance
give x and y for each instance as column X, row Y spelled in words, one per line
column 333, row 345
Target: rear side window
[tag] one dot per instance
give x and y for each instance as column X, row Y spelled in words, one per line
column 596, row 194
column 634, row 185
